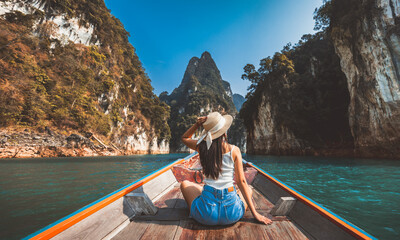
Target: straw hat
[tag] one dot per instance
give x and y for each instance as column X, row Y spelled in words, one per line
column 214, row 127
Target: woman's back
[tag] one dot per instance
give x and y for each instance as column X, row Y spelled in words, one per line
column 225, row 178
column 217, row 202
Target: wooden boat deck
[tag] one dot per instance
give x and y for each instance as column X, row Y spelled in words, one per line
column 118, row 215
column 172, row 222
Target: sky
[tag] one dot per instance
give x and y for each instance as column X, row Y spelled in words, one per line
column 167, row 34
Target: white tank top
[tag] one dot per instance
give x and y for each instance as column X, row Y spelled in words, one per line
column 225, row 178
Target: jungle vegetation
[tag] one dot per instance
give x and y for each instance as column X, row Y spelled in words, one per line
column 306, row 89
column 69, row 86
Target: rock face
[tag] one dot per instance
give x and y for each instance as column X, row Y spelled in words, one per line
column 65, row 29
column 238, row 100
column 201, row 91
column 28, row 143
column 298, row 102
column 301, row 99
column 18, row 143
column 61, row 69
column 237, row 134
column 268, row 136
column 368, row 43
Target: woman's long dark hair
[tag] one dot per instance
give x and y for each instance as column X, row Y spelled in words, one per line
column 211, row 159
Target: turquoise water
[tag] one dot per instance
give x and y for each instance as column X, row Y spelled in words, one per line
column 365, row 192
column 37, row 192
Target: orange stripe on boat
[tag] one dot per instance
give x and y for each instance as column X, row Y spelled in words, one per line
column 53, row 231
column 354, row 232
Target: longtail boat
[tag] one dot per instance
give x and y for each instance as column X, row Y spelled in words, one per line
column 153, row 208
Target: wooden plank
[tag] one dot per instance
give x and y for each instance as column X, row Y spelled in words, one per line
column 271, row 232
column 164, row 214
column 261, row 202
column 164, row 230
column 316, row 224
column 250, row 174
column 270, row 190
column 277, row 231
column 85, row 212
column 141, row 203
column 341, row 223
column 299, row 228
column 283, row 234
column 190, row 229
column 117, row 230
column 283, row 206
column 99, row 224
column 157, row 185
column 294, row 232
column 251, row 231
column 180, row 202
column 133, row 231
column 102, row 222
column 280, row 229
column 165, row 191
column 248, row 216
column 169, row 199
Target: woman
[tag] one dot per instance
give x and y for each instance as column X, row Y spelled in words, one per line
column 217, row 203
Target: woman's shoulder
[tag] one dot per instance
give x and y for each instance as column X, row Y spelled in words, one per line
column 235, row 151
column 232, row 147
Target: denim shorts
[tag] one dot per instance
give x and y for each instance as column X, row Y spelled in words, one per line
column 217, row 207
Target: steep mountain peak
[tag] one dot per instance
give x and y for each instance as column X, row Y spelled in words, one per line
column 194, row 61
column 190, row 70
column 201, row 91
column 206, row 56
column 203, row 69
column 206, row 61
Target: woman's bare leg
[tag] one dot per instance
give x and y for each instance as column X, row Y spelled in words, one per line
column 190, row 191
column 241, row 197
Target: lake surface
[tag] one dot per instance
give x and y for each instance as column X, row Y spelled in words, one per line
column 37, row 192
column 365, row 192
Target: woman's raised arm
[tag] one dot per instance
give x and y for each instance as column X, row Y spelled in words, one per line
column 244, row 188
column 186, row 137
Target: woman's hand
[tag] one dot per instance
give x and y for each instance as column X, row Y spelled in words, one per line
column 263, row 219
column 201, row 120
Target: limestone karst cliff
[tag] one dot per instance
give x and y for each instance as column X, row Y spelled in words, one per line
column 333, row 93
column 366, row 36
column 297, row 103
column 60, row 68
column 201, row 91
column 238, row 100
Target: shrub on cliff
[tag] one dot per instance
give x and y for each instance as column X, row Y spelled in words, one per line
column 46, row 82
column 306, row 89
